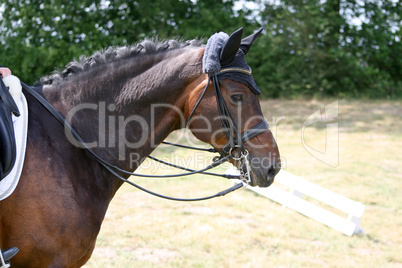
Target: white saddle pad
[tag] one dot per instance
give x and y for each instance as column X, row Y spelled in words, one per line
column 9, row 183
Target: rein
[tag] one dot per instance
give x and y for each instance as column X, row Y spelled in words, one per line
column 235, row 140
column 114, row 169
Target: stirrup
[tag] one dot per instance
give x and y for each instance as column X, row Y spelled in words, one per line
column 6, row 255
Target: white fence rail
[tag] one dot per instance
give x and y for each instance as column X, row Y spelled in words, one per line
column 293, row 198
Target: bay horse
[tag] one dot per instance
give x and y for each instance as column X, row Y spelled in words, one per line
column 122, row 101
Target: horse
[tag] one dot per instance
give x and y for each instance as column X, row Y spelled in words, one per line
column 122, row 101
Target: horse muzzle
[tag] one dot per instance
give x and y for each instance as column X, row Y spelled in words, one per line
column 263, row 170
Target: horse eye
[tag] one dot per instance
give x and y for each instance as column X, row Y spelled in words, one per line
column 237, row 97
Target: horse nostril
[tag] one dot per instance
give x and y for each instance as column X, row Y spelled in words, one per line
column 273, row 170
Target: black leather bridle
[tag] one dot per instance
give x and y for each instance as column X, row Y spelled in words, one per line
column 235, row 141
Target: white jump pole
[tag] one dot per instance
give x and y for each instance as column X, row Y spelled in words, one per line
column 293, row 198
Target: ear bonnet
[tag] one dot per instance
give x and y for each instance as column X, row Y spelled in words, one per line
column 225, row 57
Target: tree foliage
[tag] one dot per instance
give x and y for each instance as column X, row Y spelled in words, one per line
column 40, row 35
column 314, row 48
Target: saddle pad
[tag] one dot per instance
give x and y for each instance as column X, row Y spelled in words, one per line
column 9, row 183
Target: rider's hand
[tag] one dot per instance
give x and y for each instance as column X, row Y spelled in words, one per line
column 4, row 71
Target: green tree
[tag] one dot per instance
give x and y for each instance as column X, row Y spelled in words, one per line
column 38, row 36
column 317, row 51
column 311, row 48
column 376, row 44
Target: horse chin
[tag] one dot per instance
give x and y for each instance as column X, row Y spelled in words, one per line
column 263, row 177
column 258, row 179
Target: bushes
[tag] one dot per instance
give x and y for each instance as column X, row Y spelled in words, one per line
column 308, row 48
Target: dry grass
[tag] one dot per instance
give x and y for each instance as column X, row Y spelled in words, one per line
column 246, row 230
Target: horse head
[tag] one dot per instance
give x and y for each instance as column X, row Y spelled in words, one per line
column 224, row 111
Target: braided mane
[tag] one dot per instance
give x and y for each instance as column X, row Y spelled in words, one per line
column 146, row 47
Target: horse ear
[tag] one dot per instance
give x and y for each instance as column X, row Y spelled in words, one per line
column 248, row 41
column 231, row 47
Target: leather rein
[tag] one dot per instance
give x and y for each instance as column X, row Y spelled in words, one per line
column 235, row 141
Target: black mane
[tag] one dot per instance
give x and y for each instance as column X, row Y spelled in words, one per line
column 146, row 47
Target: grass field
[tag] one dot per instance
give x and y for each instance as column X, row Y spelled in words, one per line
column 244, row 229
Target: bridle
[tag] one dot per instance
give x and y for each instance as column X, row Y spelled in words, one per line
column 235, row 142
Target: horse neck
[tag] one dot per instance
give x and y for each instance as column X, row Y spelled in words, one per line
column 124, row 110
